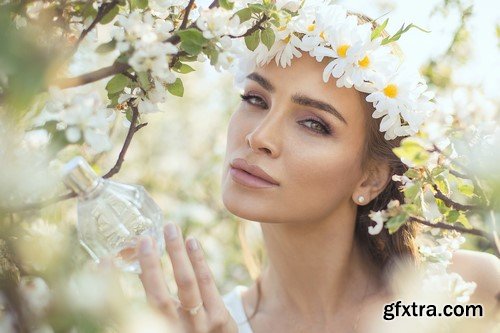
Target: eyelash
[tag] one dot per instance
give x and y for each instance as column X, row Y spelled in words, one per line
column 326, row 130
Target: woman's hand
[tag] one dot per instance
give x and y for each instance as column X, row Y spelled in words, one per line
column 195, row 285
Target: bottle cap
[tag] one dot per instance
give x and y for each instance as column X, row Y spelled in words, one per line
column 79, row 176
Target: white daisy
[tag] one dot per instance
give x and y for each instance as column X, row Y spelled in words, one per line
column 345, row 44
column 395, row 95
column 286, row 46
column 371, row 58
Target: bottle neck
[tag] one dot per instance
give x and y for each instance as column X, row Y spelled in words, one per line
column 94, row 191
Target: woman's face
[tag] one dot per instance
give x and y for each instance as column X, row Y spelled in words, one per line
column 317, row 168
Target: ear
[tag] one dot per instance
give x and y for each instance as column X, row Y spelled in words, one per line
column 373, row 181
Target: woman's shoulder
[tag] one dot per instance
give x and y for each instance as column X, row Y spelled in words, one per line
column 481, row 268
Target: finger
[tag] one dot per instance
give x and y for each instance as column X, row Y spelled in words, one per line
column 208, row 288
column 152, row 279
column 188, row 290
column 106, row 264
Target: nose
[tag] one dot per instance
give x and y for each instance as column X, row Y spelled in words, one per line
column 266, row 136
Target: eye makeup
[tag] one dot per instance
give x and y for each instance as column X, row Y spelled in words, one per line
column 322, row 127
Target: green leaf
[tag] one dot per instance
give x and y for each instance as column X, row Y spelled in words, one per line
column 412, row 173
column 465, row 188
column 256, row 7
column 117, row 83
column 400, row 32
column 143, row 78
column 412, row 191
column 122, row 58
column 226, row 4
column 183, row 68
column 138, row 4
column 267, row 37
column 462, row 218
column 437, row 171
column 378, row 30
column 394, row 223
column 410, row 209
column 88, row 11
column 192, row 40
column 442, row 184
column 128, row 114
column 245, row 14
column 412, row 151
column 113, row 99
column 176, row 88
column 253, row 40
column 452, row 216
column 106, row 47
column 188, row 58
column 110, row 15
column 213, row 55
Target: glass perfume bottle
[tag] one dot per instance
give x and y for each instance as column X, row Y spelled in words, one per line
column 112, row 216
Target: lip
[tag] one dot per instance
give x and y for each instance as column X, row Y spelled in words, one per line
column 250, row 175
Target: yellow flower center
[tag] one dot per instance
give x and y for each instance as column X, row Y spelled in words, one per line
column 281, row 28
column 391, row 90
column 365, row 62
column 287, row 39
column 311, row 27
column 342, row 50
column 322, row 35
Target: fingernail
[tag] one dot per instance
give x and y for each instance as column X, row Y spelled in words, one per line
column 146, row 247
column 171, row 231
column 192, row 244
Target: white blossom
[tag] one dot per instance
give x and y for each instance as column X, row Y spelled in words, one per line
column 145, row 102
column 35, row 293
column 79, row 115
column 145, row 36
column 216, row 22
column 379, row 217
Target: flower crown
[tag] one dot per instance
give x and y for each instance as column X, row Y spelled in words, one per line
column 359, row 57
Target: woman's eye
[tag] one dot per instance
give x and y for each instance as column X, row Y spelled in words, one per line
column 318, row 126
column 250, row 98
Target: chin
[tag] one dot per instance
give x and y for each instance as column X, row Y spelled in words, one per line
column 244, row 206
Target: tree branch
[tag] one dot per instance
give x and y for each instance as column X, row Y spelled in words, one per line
column 40, row 204
column 117, row 67
column 186, row 14
column 215, row 3
column 115, row 169
column 447, row 226
column 458, row 174
column 464, row 176
column 128, row 139
column 452, row 204
column 138, row 127
column 255, row 27
column 101, row 12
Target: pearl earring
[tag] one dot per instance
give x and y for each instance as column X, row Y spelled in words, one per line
column 361, row 199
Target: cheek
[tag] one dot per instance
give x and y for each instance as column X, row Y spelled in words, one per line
column 321, row 178
column 235, row 128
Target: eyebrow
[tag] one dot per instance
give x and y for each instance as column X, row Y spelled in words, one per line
column 298, row 98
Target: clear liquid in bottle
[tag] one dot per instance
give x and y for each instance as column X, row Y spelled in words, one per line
column 112, row 216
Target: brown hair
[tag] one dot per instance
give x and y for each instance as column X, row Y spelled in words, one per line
column 384, row 250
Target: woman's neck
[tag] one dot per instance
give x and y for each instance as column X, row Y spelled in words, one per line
column 315, row 272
